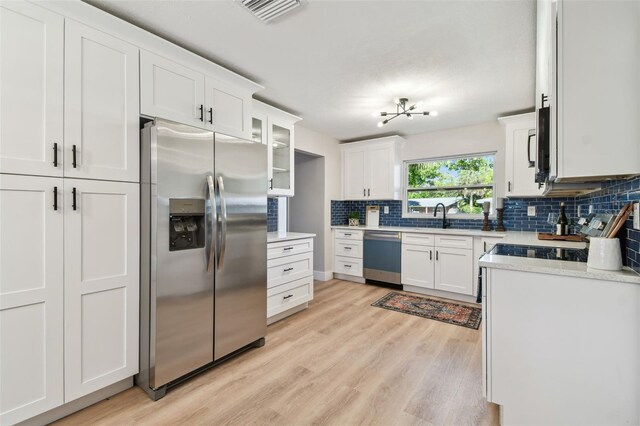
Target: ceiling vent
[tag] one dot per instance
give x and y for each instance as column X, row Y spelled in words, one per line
column 267, row 10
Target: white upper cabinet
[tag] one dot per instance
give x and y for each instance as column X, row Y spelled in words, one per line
column 31, row 89
column 592, row 87
column 520, row 156
column 228, row 108
column 279, row 126
column 371, row 169
column 171, row 90
column 101, row 106
column 101, row 290
column 31, row 298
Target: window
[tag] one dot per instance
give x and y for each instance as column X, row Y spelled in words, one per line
column 462, row 184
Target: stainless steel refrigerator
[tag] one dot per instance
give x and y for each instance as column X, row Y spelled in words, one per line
column 203, row 251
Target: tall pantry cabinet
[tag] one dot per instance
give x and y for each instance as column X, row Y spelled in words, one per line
column 69, row 210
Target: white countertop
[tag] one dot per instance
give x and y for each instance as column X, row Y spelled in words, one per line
column 449, row 231
column 274, row 237
column 554, row 267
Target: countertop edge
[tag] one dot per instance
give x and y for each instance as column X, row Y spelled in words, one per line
column 418, row 230
column 272, row 237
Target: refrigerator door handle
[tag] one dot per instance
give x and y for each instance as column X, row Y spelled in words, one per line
column 210, row 240
column 223, row 221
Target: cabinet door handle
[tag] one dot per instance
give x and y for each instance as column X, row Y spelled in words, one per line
column 73, row 204
column 286, row 297
column 369, row 192
column 210, row 115
column 509, row 186
column 201, row 112
column 364, row 192
column 484, row 243
column 271, row 183
column 55, row 154
column 74, row 151
column 436, row 254
column 288, row 248
column 55, row 198
column 430, row 255
column 287, row 270
column 532, row 134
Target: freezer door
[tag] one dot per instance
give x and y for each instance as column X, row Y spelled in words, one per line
column 241, row 274
column 181, row 328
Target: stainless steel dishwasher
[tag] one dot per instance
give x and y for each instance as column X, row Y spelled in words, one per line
column 382, row 251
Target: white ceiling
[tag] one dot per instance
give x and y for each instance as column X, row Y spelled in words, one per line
column 336, row 62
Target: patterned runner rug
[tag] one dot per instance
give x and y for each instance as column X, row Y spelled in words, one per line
column 449, row 312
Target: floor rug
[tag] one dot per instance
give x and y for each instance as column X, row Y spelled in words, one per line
column 452, row 313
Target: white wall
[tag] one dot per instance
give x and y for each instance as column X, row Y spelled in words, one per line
column 485, row 137
column 316, row 143
column 306, row 209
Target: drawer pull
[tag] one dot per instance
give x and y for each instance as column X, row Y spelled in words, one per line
column 347, row 266
column 347, row 248
column 288, row 248
column 286, row 297
column 347, row 235
column 287, row 270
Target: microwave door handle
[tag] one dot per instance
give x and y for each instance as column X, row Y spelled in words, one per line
column 223, row 221
column 532, row 134
column 211, row 241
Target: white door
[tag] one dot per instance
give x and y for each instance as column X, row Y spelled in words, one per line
column 379, row 173
column 169, row 90
column 417, row 266
column 227, row 108
column 31, row 297
column 454, row 270
column 101, row 106
column 354, row 187
column 280, row 158
column 101, row 239
column 31, row 79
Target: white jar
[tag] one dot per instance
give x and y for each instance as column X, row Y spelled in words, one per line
column 604, row 253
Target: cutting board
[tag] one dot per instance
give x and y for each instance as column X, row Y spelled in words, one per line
column 574, row 238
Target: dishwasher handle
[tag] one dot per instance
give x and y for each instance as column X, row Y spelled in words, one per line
column 383, row 236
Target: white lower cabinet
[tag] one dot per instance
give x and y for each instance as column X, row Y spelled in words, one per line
column 69, row 290
column 453, row 270
column 31, row 297
column 417, row 266
column 348, row 250
column 289, row 277
column 101, row 250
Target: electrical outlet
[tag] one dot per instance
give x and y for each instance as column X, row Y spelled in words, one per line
column 636, row 216
column 531, row 211
column 386, row 209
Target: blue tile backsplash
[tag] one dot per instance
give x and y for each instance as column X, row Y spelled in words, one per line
column 272, row 214
column 610, row 199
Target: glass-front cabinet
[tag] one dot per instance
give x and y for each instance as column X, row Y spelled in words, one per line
column 276, row 128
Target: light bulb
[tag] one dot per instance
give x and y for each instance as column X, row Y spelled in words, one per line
column 375, row 114
column 433, row 113
column 418, row 104
column 396, row 101
column 380, row 124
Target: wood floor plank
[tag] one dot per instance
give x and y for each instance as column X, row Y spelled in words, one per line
column 340, row 362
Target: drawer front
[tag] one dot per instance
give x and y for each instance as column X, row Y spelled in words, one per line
column 288, row 296
column 454, row 241
column 347, row 234
column 289, row 248
column 418, row 239
column 349, row 248
column 290, row 268
column 348, row 266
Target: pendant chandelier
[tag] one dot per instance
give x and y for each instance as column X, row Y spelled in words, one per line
column 402, row 108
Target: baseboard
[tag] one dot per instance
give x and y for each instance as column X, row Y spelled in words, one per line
column 322, row 275
column 352, row 278
column 440, row 293
column 78, row 404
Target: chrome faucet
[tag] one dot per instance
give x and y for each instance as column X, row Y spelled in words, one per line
column 444, row 215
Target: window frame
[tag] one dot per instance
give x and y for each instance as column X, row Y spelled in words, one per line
column 405, row 188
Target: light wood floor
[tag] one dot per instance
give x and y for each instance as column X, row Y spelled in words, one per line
column 340, row 362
